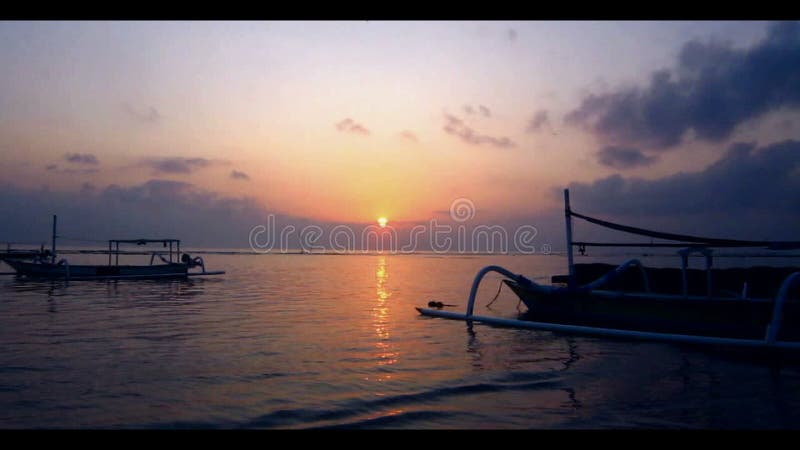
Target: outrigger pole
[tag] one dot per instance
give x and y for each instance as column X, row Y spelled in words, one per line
column 53, row 256
column 568, row 220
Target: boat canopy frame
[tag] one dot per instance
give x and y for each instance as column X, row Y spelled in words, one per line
column 174, row 246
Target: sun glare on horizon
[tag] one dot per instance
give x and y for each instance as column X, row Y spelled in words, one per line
column 382, row 221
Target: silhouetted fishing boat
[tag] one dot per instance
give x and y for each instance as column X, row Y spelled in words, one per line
column 743, row 307
column 45, row 264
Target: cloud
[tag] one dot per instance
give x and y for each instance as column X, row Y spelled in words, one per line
column 481, row 109
column 539, row 121
column 156, row 208
column 177, row 165
column 749, row 190
column 236, row 175
column 624, row 158
column 148, row 115
column 349, row 125
column 152, row 190
column 512, row 34
column 457, row 127
column 70, row 171
column 409, row 136
column 713, row 88
column 75, row 158
column 81, row 158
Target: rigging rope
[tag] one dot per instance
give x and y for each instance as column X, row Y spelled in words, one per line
column 711, row 242
column 498, row 295
column 495, row 295
column 83, row 240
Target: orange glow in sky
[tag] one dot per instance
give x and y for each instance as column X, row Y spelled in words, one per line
column 331, row 121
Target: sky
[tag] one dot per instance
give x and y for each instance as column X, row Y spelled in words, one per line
column 146, row 127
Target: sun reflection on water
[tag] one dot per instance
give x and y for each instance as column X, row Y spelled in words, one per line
column 386, row 355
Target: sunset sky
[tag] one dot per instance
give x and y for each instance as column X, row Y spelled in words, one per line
column 347, row 122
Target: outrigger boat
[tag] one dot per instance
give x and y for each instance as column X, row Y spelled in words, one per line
column 754, row 307
column 45, row 264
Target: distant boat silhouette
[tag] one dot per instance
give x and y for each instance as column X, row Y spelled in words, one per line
column 43, row 264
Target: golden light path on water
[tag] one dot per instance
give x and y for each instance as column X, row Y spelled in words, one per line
column 385, row 353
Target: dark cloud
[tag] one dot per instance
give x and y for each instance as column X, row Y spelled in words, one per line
column 713, row 88
column 349, row 125
column 409, row 136
column 624, row 158
column 236, row 175
column 750, row 190
column 148, row 115
column 485, row 111
column 156, row 208
column 540, row 120
column 457, row 127
column 81, row 158
column 179, row 165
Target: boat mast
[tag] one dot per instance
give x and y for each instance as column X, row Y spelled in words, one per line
column 568, row 220
column 55, row 220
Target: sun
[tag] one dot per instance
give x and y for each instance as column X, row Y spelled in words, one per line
column 382, row 221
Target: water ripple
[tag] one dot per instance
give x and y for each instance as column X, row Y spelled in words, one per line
column 287, row 341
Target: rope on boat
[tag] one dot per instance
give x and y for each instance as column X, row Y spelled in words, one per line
column 81, row 240
column 495, row 295
column 709, row 242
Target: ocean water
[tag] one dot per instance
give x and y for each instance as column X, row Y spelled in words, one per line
column 318, row 341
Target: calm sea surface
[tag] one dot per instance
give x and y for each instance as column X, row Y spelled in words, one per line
column 307, row 341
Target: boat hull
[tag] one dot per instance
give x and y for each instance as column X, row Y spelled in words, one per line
column 86, row 272
column 699, row 316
